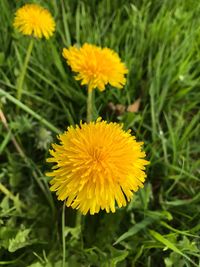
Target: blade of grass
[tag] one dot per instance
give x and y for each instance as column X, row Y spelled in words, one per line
column 29, row 111
column 170, row 245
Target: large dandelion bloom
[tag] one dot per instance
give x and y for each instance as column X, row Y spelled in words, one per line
column 96, row 66
column 32, row 19
column 98, row 165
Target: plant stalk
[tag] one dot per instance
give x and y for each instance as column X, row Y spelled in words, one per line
column 63, row 234
column 20, row 81
column 89, row 106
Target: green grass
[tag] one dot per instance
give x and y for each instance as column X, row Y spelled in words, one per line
column 160, row 43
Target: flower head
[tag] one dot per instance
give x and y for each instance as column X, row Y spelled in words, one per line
column 98, row 164
column 32, row 19
column 96, row 66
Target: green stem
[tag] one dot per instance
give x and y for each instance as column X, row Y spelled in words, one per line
column 78, row 226
column 23, row 70
column 63, row 234
column 78, row 219
column 89, row 106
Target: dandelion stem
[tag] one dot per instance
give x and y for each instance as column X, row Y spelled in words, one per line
column 79, row 225
column 63, row 234
column 89, row 106
column 78, row 219
column 23, row 70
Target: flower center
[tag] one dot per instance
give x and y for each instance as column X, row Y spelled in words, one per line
column 33, row 20
column 97, row 154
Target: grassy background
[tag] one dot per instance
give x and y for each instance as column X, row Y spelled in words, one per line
column 160, row 43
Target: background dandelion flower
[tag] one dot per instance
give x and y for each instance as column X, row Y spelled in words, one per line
column 96, row 66
column 98, row 164
column 32, row 19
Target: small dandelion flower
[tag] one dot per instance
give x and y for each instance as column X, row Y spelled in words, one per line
column 32, row 19
column 98, row 165
column 96, row 66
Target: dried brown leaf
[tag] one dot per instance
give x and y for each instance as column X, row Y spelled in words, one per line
column 135, row 106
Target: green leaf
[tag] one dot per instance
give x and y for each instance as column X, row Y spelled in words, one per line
column 169, row 245
column 36, row 264
column 152, row 217
column 117, row 256
column 21, row 240
column 135, row 229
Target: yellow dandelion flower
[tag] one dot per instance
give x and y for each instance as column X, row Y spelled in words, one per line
column 96, row 66
column 98, row 164
column 32, row 19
